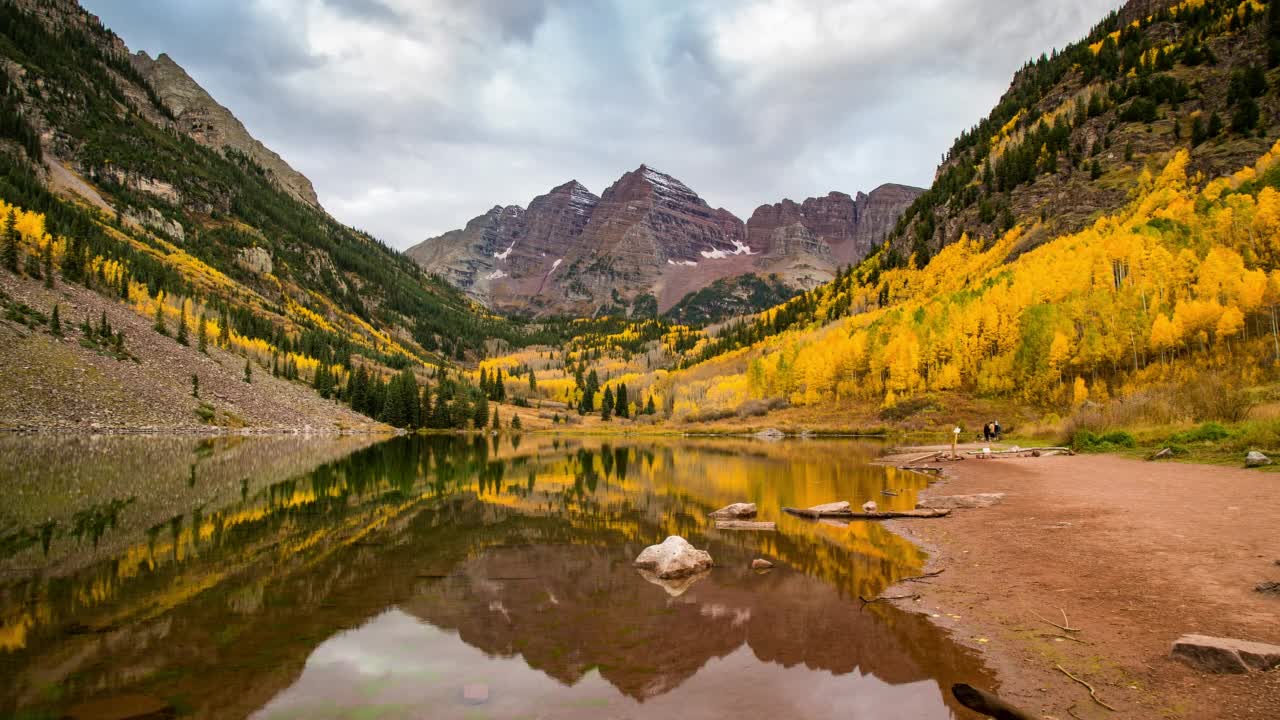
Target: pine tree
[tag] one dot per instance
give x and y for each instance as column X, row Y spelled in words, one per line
column 515, row 422
column 496, row 422
column 649, row 409
column 159, row 324
column 202, row 335
column 224, row 329
column 182, row 324
column 248, row 371
column 55, row 323
column 533, row 382
column 9, row 250
column 621, row 403
column 606, row 404
column 500, row 387
column 195, row 386
column 480, row 416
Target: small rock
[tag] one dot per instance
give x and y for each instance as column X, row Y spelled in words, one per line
column 736, row 511
column 1269, row 587
column 745, row 525
column 1225, row 655
column 475, row 694
column 673, row 558
column 869, row 506
column 771, row 434
column 841, row 506
column 1161, row 454
column 761, row 564
column 1256, row 459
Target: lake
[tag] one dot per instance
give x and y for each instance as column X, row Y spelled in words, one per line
column 454, row 577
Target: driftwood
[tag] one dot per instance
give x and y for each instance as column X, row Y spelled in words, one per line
column 926, row 458
column 1092, row 693
column 1036, row 451
column 988, row 704
column 920, row 468
column 744, row 525
column 851, row 515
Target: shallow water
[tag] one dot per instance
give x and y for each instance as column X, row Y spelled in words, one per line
column 451, row 577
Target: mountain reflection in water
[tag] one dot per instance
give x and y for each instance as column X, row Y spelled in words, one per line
column 383, row 582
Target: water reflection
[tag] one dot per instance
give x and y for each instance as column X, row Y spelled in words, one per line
column 496, row 562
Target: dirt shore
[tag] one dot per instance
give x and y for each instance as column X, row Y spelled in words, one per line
column 1135, row 553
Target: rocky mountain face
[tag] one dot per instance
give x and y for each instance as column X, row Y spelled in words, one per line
column 650, row 239
column 197, row 114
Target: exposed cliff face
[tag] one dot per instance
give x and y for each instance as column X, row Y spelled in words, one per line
column 197, row 114
column 650, row 234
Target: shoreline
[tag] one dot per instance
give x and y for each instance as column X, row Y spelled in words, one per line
column 1123, row 548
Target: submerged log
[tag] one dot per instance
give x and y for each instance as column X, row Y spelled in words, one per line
column 880, row 515
column 745, row 525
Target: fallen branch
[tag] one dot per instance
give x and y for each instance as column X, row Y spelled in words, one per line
column 1064, row 628
column 920, row 468
column 889, row 597
column 851, row 515
column 925, row 576
column 988, row 704
column 1072, row 712
column 1092, row 693
column 745, row 525
column 924, row 458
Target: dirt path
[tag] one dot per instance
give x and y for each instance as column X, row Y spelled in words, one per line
column 1136, row 553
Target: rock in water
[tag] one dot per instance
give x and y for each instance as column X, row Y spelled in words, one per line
column 761, row 564
column 673, row 558
column 771, row 434
column 1256, row 459
column 834, row 507
column 736, row 511
column 1226, row 655
column 869, row 506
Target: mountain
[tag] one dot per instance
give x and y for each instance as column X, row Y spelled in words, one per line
column 1077, row 126
column 198, row 115
column 649, row 240
column 131, row 197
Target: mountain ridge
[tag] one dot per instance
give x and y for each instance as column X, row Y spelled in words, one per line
column 649, row 235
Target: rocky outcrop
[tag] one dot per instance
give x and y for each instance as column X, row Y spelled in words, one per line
column 673, row 558
column 836, row 226
column 649, row 234
column 200, row 116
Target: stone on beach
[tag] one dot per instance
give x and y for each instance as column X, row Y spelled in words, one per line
column 870, row 506
column 1226, row 655
column 771, row 434
column 673, row 558
column 1256, row 459
column 736, row 511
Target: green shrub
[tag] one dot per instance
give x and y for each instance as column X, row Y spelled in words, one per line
column 1206, row 432
column 1086, row 441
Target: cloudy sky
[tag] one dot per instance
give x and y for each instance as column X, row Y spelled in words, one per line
column 412, row 116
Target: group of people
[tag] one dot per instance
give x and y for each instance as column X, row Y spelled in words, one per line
column 991, row 431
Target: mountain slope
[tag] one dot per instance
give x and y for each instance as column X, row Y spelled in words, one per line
column 649, row 239
column 153, row 196
column 1077, row 126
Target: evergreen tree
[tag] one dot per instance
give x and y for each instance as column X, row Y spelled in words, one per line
column 606, row 404
column 55, row 323
column 182, row 324
column 480, row 416
column 500, row 387
column 195, row 386
column 533, row 382
column 621, row 403
column 1215, row 125
column 1095, row 170
column 46, row 259
column 202, row 335
column 31, row 266
column 224, row 329
column 649, row 409
column 9, row 249
column 496, row 422
column 515, row 422
column 248, row 371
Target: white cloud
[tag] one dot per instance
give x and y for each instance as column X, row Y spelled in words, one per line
column 413, row 117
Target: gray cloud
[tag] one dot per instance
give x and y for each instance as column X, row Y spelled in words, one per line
column 412, row 117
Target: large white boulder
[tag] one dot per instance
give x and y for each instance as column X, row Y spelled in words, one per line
column 673, row 558
column 1256, row 459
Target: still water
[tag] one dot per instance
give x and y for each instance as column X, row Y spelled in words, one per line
column 445, row 577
